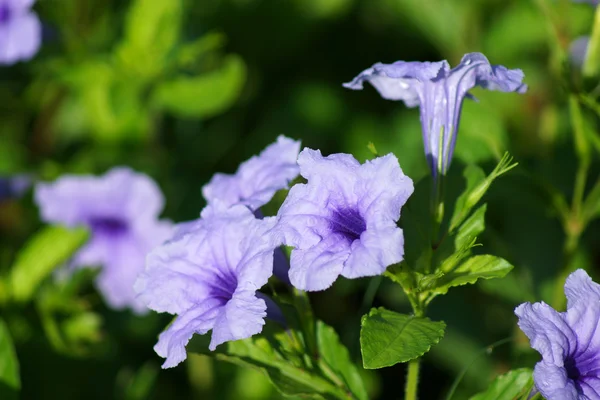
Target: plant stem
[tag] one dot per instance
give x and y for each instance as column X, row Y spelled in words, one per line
column 412, row 379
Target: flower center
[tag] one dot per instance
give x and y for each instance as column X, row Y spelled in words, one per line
column 111, row 226
column 347, row 222
column 223, row 285
column 572, row 370
column 5, row 13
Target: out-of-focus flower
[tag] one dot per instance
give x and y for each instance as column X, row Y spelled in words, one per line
column 257, row 179
column 14, row 186
column 439, row 92
column 121, row 210
column 569, row 342
column 592, row 2
column 20, row 31
column 208, row 275
column 578, row 50
column 343, row 221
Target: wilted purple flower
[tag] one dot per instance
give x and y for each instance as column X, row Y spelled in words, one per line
column 439, row 92
column 208, row 275
column 121, row 210
column 343, row 221
column 257, row 179
column 569, row 342
column 20, row 31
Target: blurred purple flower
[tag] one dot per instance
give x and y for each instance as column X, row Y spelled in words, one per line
column 14, row 186
column 20, row 31
column 257, row 179
column 578, row 50
column 208, row 275
column 439, row 92
column 121, row 210
column 343, row 221
column 569, row 342
column 592, row 2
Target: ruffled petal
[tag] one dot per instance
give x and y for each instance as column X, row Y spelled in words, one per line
column 243, row 316
column 316, row 268
column 553, row 383
column 374, row 252
column 580, row 287
column 200, row 319
column 548, row 331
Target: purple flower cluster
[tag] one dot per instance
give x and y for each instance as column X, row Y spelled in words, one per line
column 569, row 341
column 121, row 210
column 20, row 31
column 439, row 92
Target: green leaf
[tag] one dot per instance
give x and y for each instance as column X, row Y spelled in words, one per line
column 477, row 185
column 388, row 338
column 151, row 31
column 336, row 356
column 474, row 268
column 10, row 383
column 48, row 249
column 203, row 96
column 512, row 385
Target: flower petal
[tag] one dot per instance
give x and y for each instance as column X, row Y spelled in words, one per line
column 553, row 383
column 580, row 287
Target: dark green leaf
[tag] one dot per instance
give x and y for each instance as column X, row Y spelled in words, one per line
column 48, row 249
column 512, row 385
column 10, row 383
column 388, row 338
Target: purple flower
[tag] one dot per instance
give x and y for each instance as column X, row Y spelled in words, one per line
column 592, row 2
column 257, row 179
column 578, row 50
column 121, row 210
column 20, row 31
column 439, row 92
column 569, row 342
column 343, row 221
column 208, row 275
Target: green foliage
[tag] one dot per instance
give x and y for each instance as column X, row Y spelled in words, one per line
column 45, row 251
column 295, row 370
column 10, row 383
column 516, row 384
column 202, row 96
column 388, row 338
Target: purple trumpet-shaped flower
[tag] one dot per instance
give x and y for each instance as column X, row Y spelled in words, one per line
column 20, row 31
column 569, row 342
column 257, row 179
column 439, row 92
column 343, row 221
column 208, row 275
column 121, row 210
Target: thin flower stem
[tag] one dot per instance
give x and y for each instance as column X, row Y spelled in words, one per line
column 412, row 379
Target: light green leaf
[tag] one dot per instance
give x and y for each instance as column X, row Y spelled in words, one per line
column 512, row 385
column 48, row 249
column 205, row 95
column 471, row 228
column 336, row 356
column 477, row 186
column 10, row 383
column 474, row 268
column 151, row 31
column 388, row 338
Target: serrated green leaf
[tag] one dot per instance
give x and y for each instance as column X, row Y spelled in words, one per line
column 337, row 358
column 469, row 271
column 512, row 385
column 205, row 95
column 46, row 250
column 388, row 338
column 10, row 383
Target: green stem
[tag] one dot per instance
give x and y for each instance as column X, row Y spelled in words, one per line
column 412, row 379
column 437, row 208
column 591, row 65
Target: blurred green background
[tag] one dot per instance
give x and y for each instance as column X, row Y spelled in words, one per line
column 181, row 89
